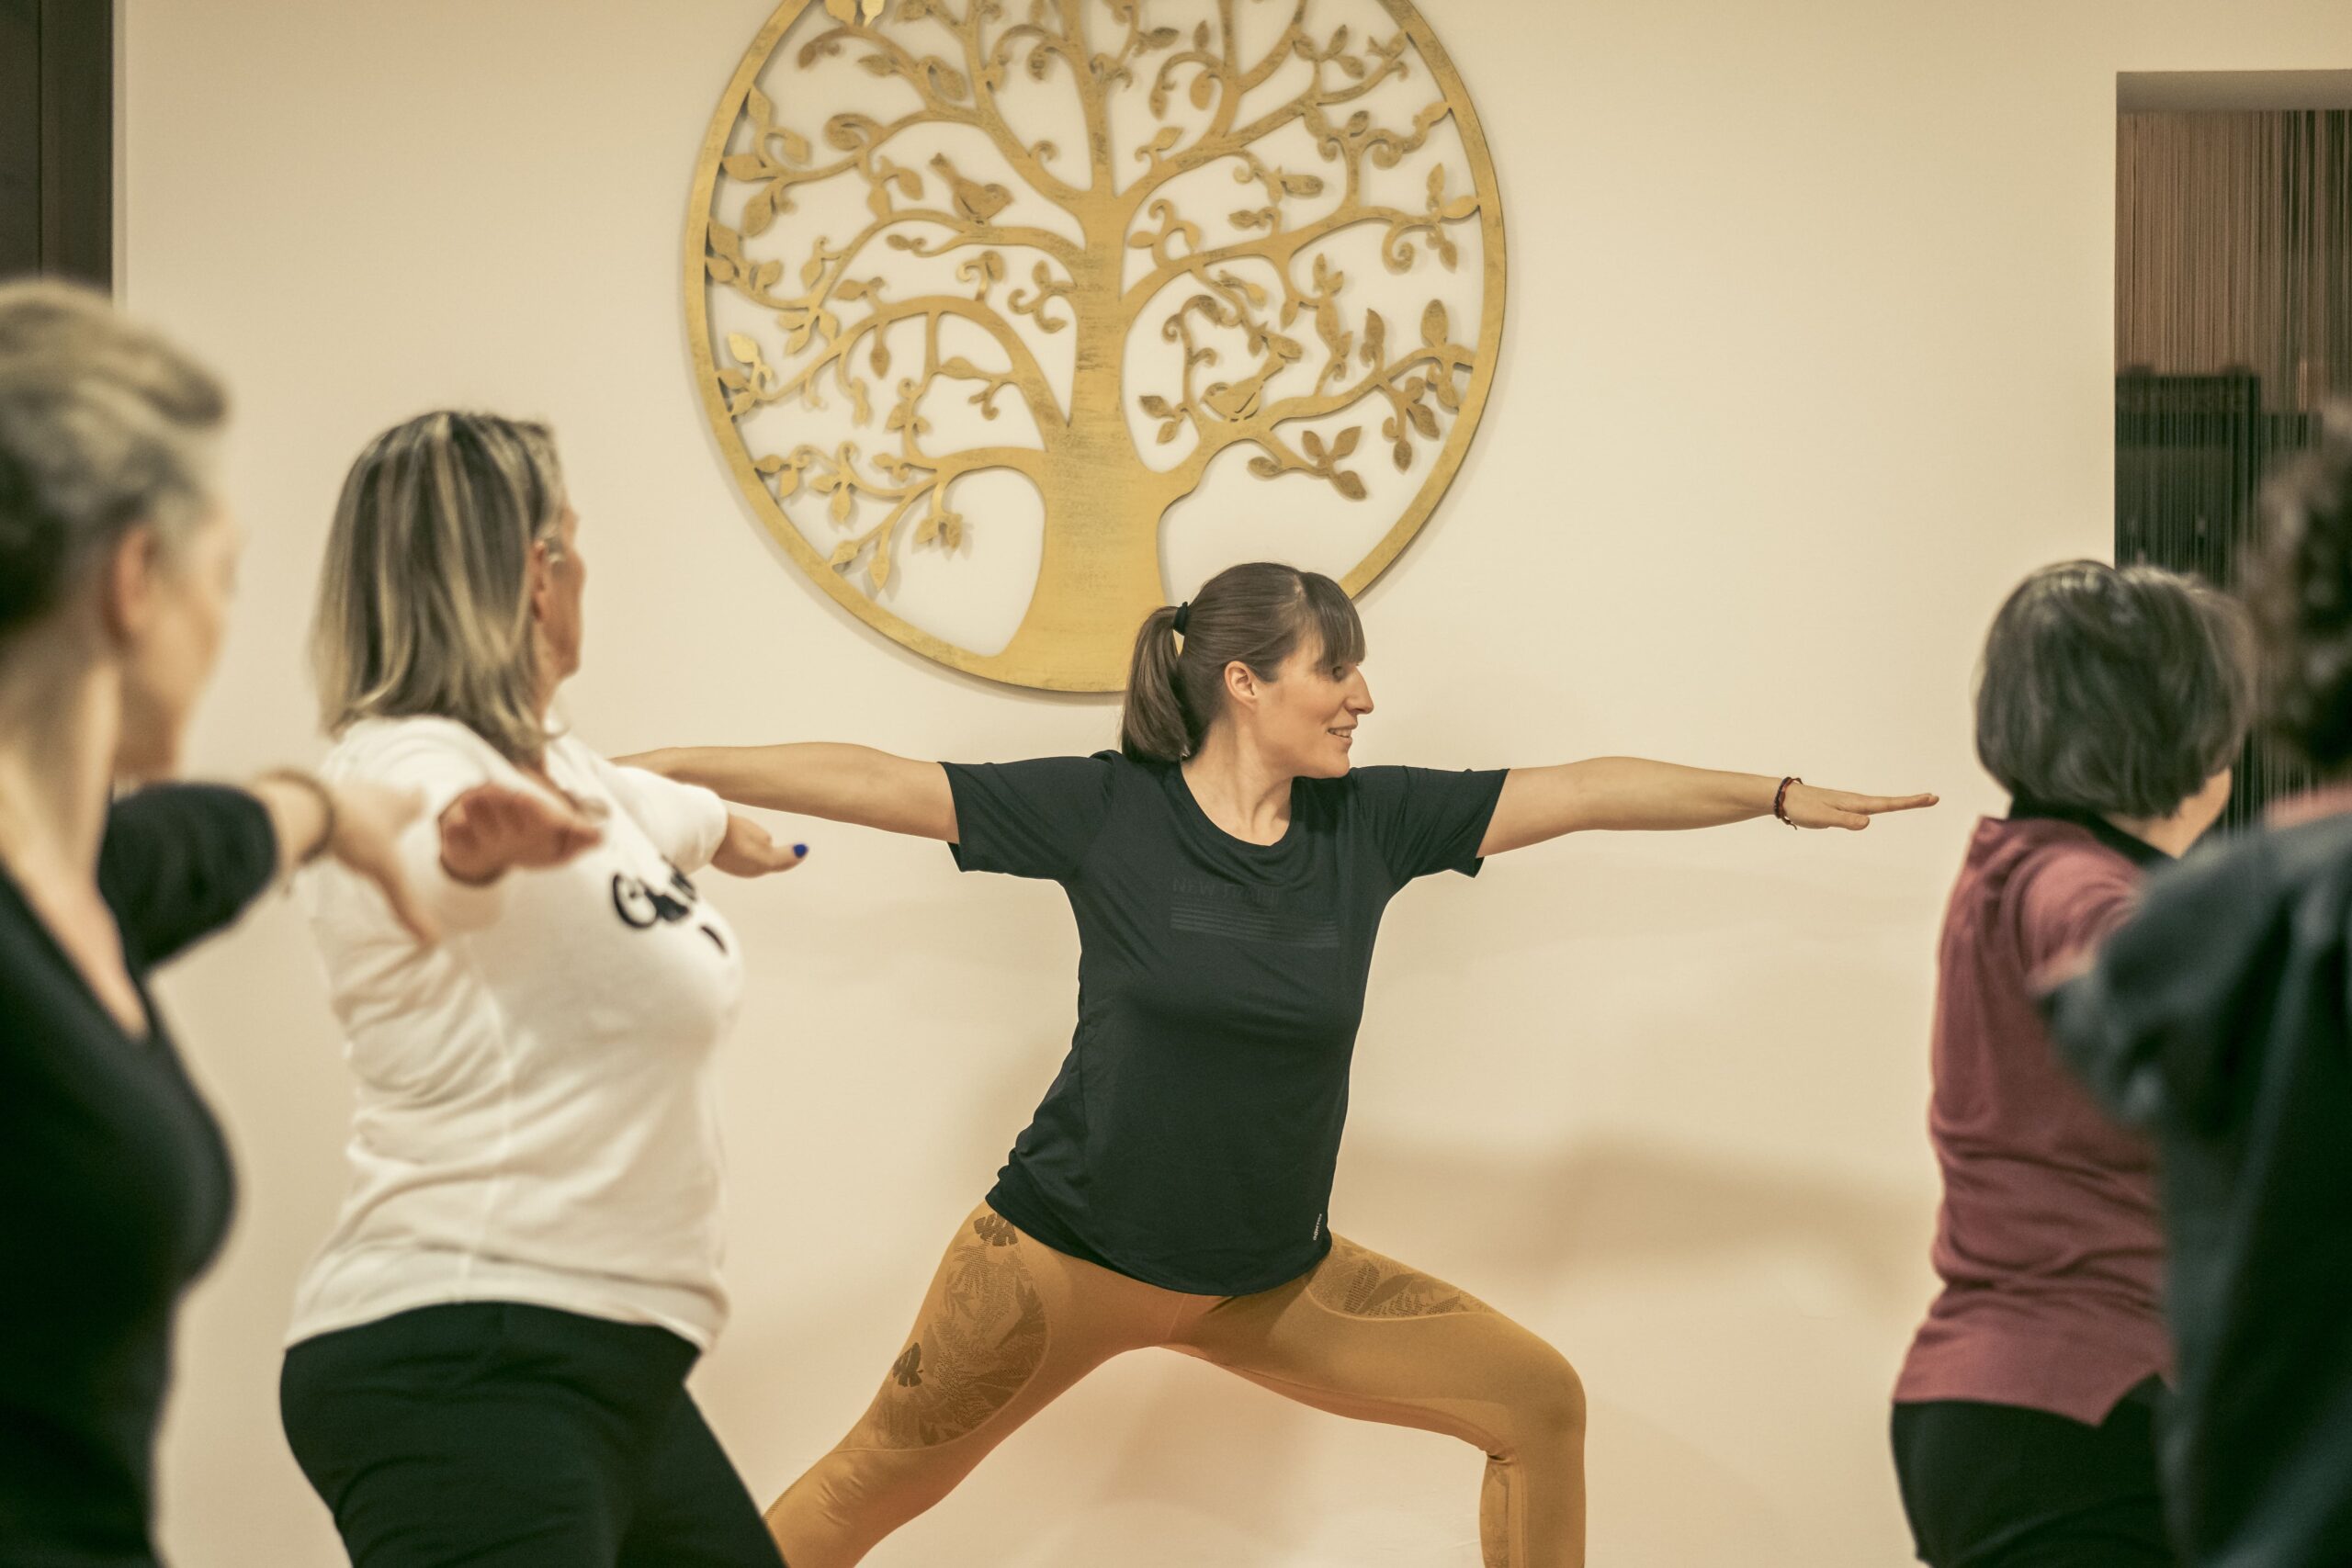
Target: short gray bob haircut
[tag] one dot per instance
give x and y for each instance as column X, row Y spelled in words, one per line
column 2113, row 691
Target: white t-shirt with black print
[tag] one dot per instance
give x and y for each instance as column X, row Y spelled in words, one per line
column 534, row 1120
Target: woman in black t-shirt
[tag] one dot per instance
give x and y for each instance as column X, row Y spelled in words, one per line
column 1228, row 870
column 115, row 571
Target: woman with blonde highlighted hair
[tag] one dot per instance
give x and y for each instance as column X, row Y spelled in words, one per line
column 488, row 1356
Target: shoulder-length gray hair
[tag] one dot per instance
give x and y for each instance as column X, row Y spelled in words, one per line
column 424, row 602
column 105, row 425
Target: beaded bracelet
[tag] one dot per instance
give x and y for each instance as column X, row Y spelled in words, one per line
column 1781, row 798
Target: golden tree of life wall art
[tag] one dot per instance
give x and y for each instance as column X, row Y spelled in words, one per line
column 1009, row 313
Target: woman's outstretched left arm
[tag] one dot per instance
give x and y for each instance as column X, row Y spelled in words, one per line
column 1629, row 794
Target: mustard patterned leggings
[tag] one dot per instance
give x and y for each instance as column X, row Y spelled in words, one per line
column 1009, row 1324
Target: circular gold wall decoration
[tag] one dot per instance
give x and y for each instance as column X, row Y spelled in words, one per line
column 1000, row 307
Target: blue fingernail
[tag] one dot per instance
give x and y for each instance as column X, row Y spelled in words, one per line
column 800, row 848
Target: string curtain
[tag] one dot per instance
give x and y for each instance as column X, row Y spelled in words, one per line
column 2232, row 329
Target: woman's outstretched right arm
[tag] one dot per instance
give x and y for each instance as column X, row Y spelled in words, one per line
column 841, row 783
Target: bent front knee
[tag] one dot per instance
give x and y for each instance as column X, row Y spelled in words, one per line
column 1550, row 1409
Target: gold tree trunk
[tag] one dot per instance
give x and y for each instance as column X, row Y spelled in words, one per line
column 1099, row 575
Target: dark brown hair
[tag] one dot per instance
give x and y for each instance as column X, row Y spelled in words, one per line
column 1257, row 614
column 2118, row 691
column 2300, row 587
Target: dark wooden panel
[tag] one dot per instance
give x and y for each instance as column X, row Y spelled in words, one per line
column 19, row 136
column 77, row 138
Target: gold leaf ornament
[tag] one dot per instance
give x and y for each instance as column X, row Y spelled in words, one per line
column 1114, row 442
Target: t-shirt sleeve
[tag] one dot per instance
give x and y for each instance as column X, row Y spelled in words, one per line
column 1032, row 819
column 685, row 822
column 440, row 760
column 1427, row 819
column 2152, row 1026
column 2072, row 903
column 179, row 862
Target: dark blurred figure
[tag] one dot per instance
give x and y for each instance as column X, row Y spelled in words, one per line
column 116, row 563
column 2110, row 705
column 2216, row 1019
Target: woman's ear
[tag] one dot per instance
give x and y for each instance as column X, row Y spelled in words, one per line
column 1241, row 683
column 127, row 584
column 541, row 577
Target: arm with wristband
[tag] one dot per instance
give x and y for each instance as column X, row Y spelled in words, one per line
column 1629, row 794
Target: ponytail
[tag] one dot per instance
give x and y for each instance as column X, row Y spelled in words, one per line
column 1257, row 614
column 1152, row 729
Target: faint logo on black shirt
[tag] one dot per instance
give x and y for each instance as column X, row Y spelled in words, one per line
column 1205, row 906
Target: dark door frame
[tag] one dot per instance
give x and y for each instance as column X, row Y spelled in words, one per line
column 57, row 139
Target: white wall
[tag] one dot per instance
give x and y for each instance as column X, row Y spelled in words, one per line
column 1808, row 361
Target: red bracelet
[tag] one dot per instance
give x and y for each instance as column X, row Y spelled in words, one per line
column 1781, row 798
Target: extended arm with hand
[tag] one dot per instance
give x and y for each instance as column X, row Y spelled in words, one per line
column 355, row 823
column 1630, row 794
column 841, row 783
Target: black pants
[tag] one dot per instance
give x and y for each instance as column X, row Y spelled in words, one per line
column 501, row 1436
column 1997, row 1486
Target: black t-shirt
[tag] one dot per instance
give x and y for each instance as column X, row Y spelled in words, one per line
column 1189, row 1139
column 114, row 1181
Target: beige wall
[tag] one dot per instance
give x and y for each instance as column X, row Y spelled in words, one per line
column 1809, row 359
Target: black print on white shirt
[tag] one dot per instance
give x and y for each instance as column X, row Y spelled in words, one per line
column 641, row 906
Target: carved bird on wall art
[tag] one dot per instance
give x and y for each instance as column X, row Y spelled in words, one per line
column 976, row 201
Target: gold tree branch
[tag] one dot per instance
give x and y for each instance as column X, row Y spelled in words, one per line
column 1223, row 140
column 940, row 84
column 1448, row 358
column 987, row 71
column 924, row 76
column 784, row 174
column 968, row 232
column 940, row 525
column 1029, row 377
column 1274, row 58
column 1281, row 248
column 1093, row 100
column 1216, row 437
column 955, row 465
